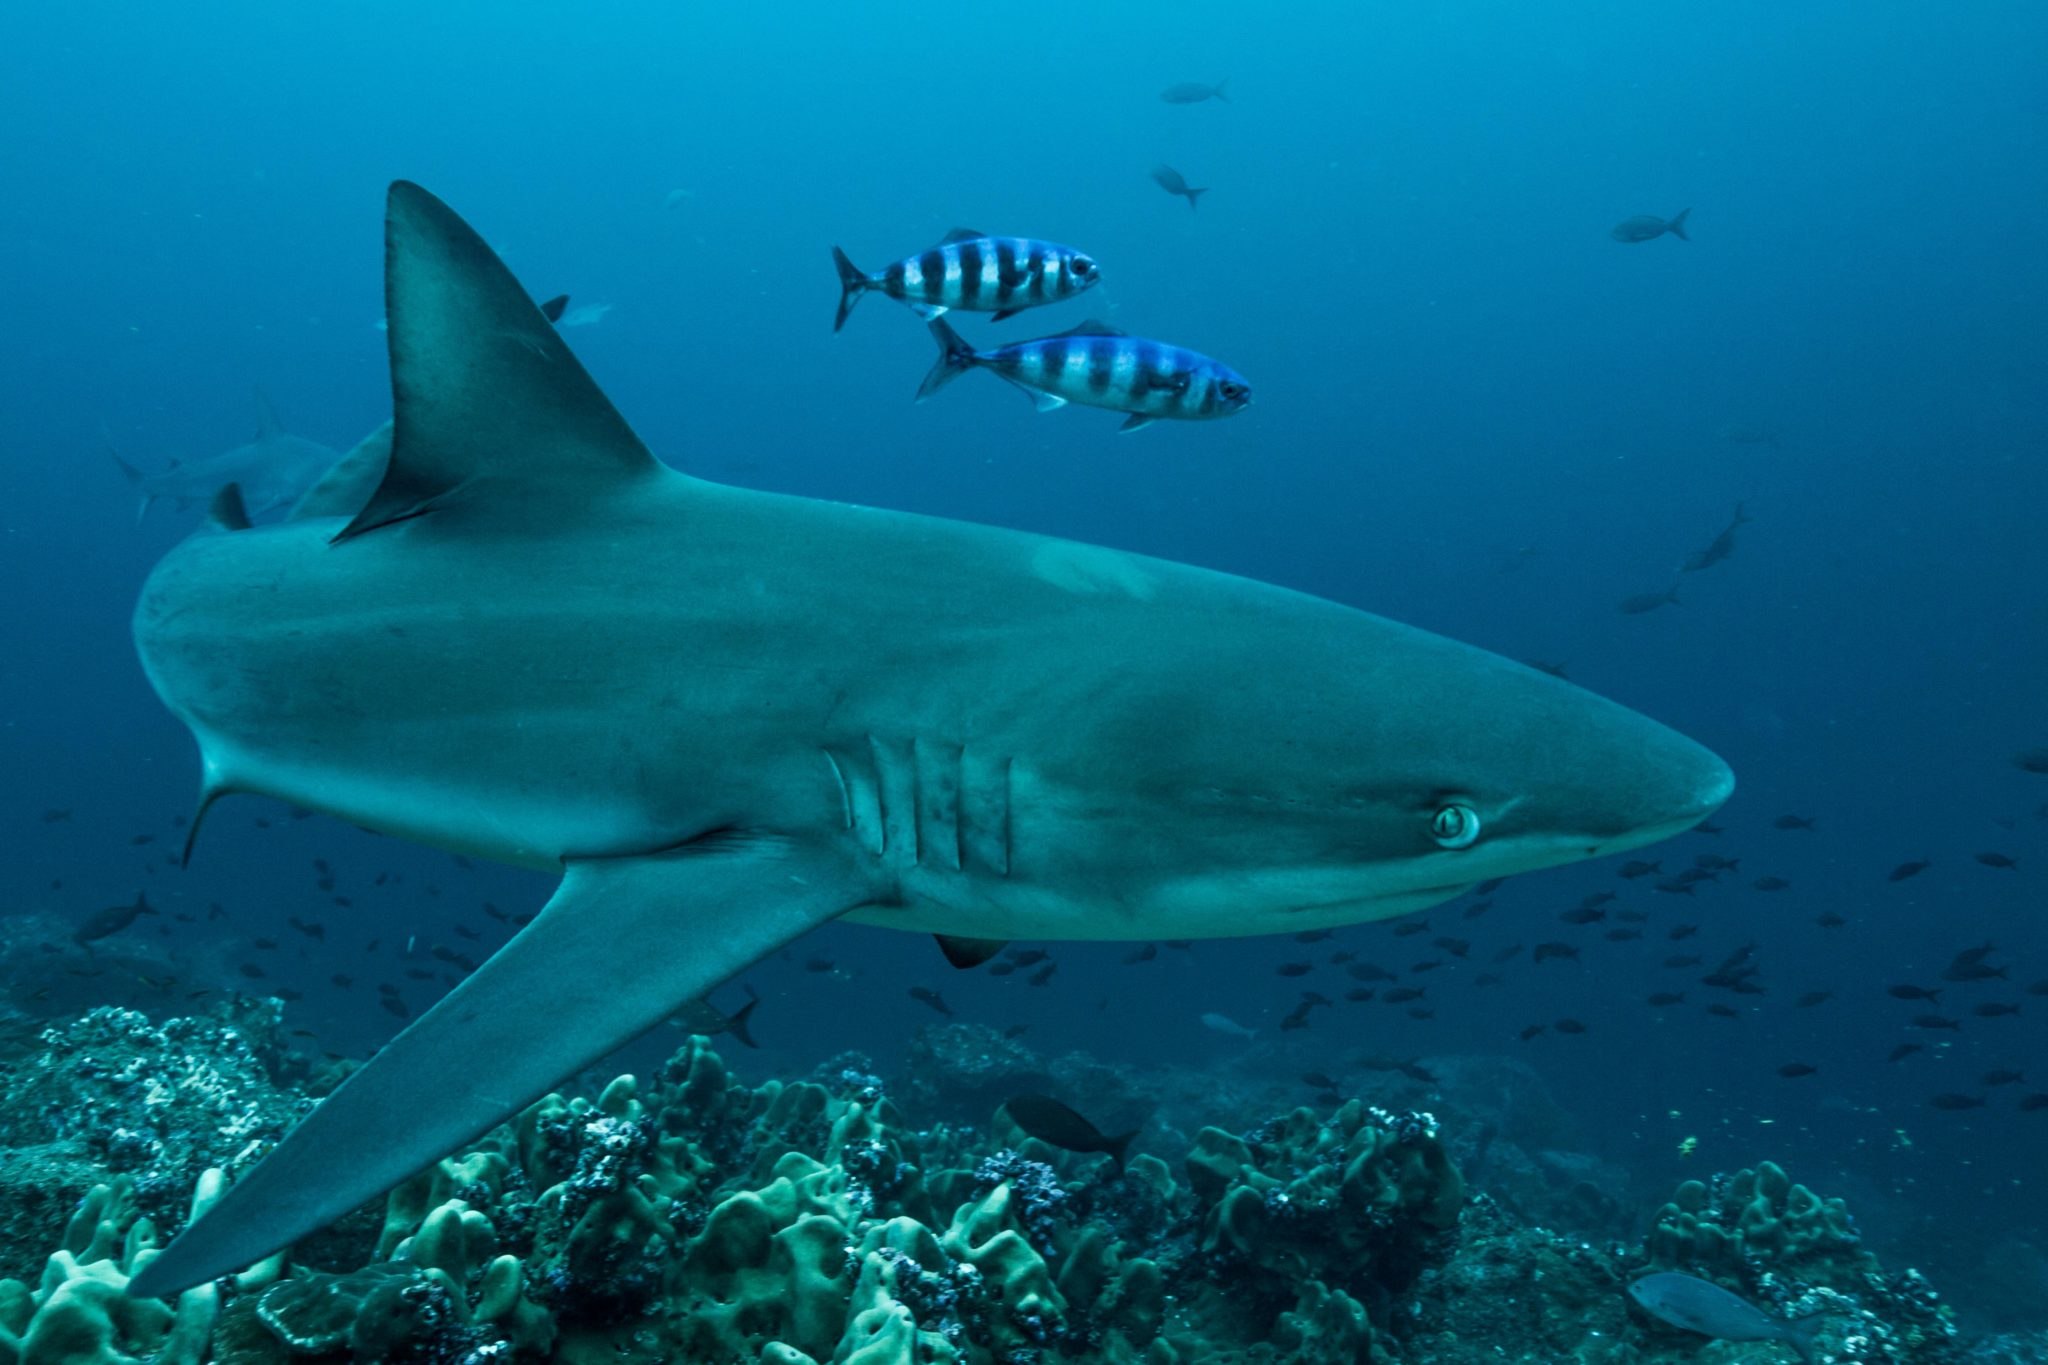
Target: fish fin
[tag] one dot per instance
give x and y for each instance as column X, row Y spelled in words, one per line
column 1002, row 313
column 969, row 952
column 736, row 1023
column 1194, row 194
column 345, row 488
column 956, row 358
column 137, row 479
column 227, row 511
column 1045, row 402
column 553, row 309
column 484, row 393
column 267, row 425
column 622, row 942
column 960, row 234
column 1092, row 327
column 1801, row 1335
column 1217, row 91
column 853, row 282
column 927, row 311
column 1676, row 225
column 1117, row 1148
column 1137, row 421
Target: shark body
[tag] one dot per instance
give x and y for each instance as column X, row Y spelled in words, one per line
column 272, row 469
column 728, row 716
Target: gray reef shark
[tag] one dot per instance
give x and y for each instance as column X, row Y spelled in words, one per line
column 726, row 717
column 271, row 469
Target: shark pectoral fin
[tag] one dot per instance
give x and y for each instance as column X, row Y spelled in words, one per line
column 969, row 952
column 485, row 393
column 346, row 487
column 622, row 943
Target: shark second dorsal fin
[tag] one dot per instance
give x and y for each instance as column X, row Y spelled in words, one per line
column 485, row 395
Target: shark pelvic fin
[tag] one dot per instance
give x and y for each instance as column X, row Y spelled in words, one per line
column 485, row 393
column 969, row 952
column 345, row 489
column 623, row 942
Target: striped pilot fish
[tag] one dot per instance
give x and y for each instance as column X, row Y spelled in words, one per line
column 974, row 272
column 1096, row 365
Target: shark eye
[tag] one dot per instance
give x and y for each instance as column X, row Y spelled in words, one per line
column 1454, row 826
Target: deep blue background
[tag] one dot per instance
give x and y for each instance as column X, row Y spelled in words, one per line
column 1475, row 412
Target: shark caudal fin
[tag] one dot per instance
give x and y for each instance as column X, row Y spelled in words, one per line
column 484, row 392
column 853, row 282
column 620, row 945
column 956, row 358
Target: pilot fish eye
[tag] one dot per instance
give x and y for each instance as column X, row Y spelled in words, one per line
column 1083, row 266
column 1454, row 826
column 1233, row 391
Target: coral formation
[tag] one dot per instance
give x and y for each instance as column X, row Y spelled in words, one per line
column 686, row 1215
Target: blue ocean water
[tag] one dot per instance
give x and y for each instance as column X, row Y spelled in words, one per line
column 1476, row 412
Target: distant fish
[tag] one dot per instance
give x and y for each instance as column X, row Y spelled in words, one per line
column 1696, row 1305
column 1569, row 1026
column 1646, row 227
column 1793, row 822
column 272, row 469
column 1903, row 1051
column 1905, row 871
column 1812, row 998
column 1173, row 182
column 1953, row 1102
column 927, row 996
column 1998, row 860
column 1770, row 884
column 973, row 272
column 1643, row 603
column 1096, row 365
column 1195, row 92
column 1638, row 868
column 2034, row 1103
column 112, row 920
column 703, row 1017
column 2031, row 760
column 1796, row 1070
column 1221, row 1023
column 1049, row 1121
column 1718, row 549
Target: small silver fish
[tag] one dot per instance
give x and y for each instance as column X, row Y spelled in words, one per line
column 1223, row 1023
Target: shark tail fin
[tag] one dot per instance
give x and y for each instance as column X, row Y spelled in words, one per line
column 1676, row 226
column 267, row 424
column 136, row 479
column 490, row 406
column 853, row 282
column 956, row 358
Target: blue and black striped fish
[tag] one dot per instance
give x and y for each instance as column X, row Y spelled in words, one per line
column 973, row 272
column 1099, row 366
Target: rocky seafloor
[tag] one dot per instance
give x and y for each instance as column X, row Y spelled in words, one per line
column 684, row 1215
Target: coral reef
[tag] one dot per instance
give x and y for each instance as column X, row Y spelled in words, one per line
column 686, row 1215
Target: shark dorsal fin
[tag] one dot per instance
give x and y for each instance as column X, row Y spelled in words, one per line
column 486, row 397
column 960, row 234
column 1092, row 328
column 345, row 488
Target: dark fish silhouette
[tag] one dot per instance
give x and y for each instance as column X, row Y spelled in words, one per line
column 1546, row 951
column 1632, row 870
column 1998, row 860
column 1049, row 1121
column 1952, row 1101
column 1721, row 546
column 2031, row 760
column 1295, row 968
column 2003, row 1077
column 1903, row 1051
column 1793, row 822
column 112, row 920
column 1569, row 1026
column 1173, row 182
column 926, row 995
column 2034, row 1103
column 701, row 1016
column 1664, row 999
column 1935, row 1021
column 1906, row 870
column 1647, row 227
column 1995, row 1009
column 1812, row 998
column 1195, row 92
column 1643, row 602
column 1770, row 884
column 1792, row 1071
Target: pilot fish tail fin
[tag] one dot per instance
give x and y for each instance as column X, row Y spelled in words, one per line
column 622, row 943
column 853, row 282
column 486, row 397
column 956, row 358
